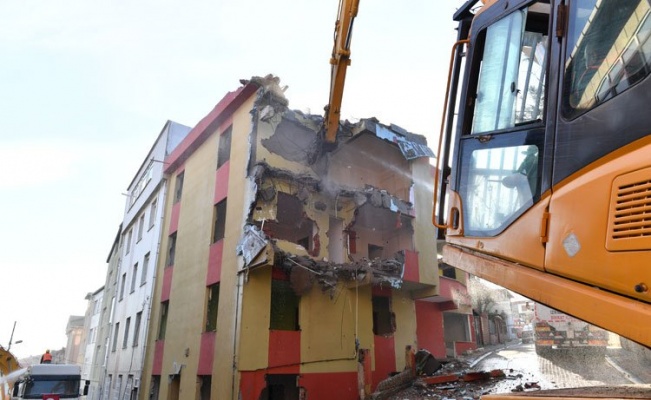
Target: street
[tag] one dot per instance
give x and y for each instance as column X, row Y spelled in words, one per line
column 562, row 369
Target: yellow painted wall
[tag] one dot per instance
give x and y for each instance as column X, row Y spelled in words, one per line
column 187, row 307
column 254, row 331
column 405, row 309
column 425, row 233
column 328, row 328
column 237, row 208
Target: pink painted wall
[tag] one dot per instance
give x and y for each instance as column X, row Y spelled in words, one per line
column 206, row 353
column 429, row 328
column 215, row 263
column 284, row 352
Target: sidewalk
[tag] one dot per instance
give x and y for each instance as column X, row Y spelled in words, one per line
column 635, row 367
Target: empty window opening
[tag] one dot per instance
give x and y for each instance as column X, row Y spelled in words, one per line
column 224, row 151
column 123, row 283
column 375, row 251
column 171, row 249
column 136, row 329
column 145, row 268
column 449, row 272
column 219, row 221
column 291, row 223
column 284, row 306
column 125, row 340
column 162, row 326
column 134, row 278
column 178, row 190
column 211, row 307
column 281, row 387
column 115, row 336
column 383, row 318
column 204, row 382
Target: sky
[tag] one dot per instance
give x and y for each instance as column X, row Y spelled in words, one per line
column 86, row 87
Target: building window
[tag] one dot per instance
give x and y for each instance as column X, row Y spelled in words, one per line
column 152, row 213
column 129, row 237
column 123, row 284
column 219, row 221
column 125, row 340
column 211, row 308
column 178, row 190
column 134, row 278
column 115, row 336
column 384, row 320
column 136, row 329
column 224, row 152
column 145, row 267
column 204, row 381
column 162, row 326
column 141, row 226
column 284, row 306
column 375, row 251
column 171, row 249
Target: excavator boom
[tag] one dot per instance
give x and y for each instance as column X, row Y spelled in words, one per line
column 339, row 61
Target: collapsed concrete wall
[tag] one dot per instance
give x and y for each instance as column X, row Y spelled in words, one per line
column 328, row 216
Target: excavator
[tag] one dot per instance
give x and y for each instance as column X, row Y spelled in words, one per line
column 8, row 364
column 543, row 173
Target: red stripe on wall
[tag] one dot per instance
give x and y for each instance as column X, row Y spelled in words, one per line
column 215, row 263
column 157, row 366
column 279, row 274
column 251, row 384
column 206, row 353
column 167, row 283
column 327, row 386
column 384, row 290
column 385, row 359
column 429, row 328
column 221, row 182
column 174, row 218
column 284, row 352
column 411, row 267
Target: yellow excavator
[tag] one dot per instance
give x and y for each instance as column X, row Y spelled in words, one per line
column 8, row 364
column 543, row 178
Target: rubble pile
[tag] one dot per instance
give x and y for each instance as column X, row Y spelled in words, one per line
column 448, row 380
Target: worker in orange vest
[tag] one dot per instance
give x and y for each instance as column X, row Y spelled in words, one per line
column 46, row 358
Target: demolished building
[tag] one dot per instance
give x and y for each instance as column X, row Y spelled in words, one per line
column 291, row 266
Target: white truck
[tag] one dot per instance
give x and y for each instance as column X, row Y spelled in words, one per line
column 556, row 330
column 50, row 382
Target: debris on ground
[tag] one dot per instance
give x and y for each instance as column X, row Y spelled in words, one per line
column 446, row 380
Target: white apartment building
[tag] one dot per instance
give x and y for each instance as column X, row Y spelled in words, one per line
column 91, row 329
column 134, row 276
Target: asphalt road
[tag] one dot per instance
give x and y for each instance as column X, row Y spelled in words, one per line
column 563, row 369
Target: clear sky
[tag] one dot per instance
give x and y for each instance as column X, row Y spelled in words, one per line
column 86, row 87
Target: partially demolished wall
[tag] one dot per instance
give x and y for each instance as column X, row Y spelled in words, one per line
column 357, row 194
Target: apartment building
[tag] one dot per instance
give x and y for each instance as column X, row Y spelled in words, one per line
column 132, row 270
column 289, row 265
column 92, row 320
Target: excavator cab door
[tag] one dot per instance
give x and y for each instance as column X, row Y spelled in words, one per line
column 503, row 171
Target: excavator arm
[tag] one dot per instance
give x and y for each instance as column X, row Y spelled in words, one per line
column 340, row 60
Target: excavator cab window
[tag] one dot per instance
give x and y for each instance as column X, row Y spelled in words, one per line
column 608, row 51
column 504, row 130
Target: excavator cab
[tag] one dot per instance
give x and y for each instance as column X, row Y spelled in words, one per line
column 550, row 190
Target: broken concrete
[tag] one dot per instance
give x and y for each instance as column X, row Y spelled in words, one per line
column 299, row 190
